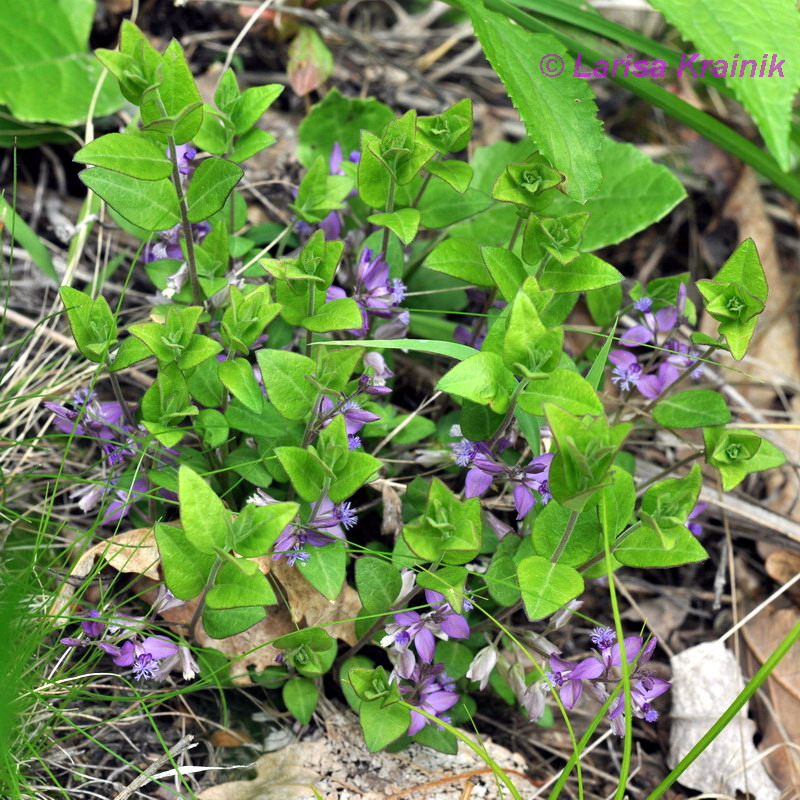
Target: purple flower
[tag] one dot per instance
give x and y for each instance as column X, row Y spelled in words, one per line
column 408, row 628
column 376, row 382
column 85, row 416
column 569, row 677
column 433, row 693
column 124, row 500
column 355, row 418
column 603, row 638
column 524, row 497
column 185, row 153
column 663, row 321
column 653, row 384
column 695, row 527
column 332, row 516
column 143, row 657
column 643, row 692
column 169, row 243
column 95, row 626
column 684, row 356
column 643, row 304
column 482, row 665
column 627, row 370
column 465, row 336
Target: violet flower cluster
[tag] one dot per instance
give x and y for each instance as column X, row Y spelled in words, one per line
column 101, row 422
column 149, row 657
column 646, row 373
column 598, row 675
column 377, row 295
column 529, row 481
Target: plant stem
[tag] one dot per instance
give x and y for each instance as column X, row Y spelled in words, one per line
column 186, row 226
column 118, row 396
column 389, row 210
column 573, row 518
column 425, row 181
column 512, row 405
column 202, row 602
column 618, row 541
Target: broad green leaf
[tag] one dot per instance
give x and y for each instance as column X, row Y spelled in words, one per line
column 252, row 104
column 635, row 193
column 721, row 29
column 284, row 375
column 695, row 408
column 129, row 154
column 46, row 73
column 205, row 519
column 604, row 304
column 481, row 378
column 460, row 258
column 442, row 205
column 210, row 186
column 234, row 589
column 150, row 205
column 546, row 587
column 358, row 468
column 403, row 223
column 506, row 269
column 219, row 623
column 267, row 422
column 616, row 503
column 644, row 548
column 306, row 472
column 559, row 112
column 300, row 696
column 213, row 427
column 237, row 377
column 501, row 580
column 378, row 583
column 326, row 569
column 131, row 351
column 336, row 315
column 255, row 532
column 585, row 273
column 186, row 569
column 744, row 267
column 584, row 541
column 355, row 662
column 381, row 726
column 250, row 143
column 564, row 388
column 457, row 174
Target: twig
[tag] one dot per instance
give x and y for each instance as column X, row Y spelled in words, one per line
column 186, row 743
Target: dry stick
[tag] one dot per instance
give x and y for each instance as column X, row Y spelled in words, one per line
column 453, row 778
column 186, row 743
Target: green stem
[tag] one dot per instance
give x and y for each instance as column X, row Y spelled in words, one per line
column 119, row 397
column 186, row 226
column 202, row 602
column 285, row 239
column 573, row 518
column 389, row 210
column 512, row 405
column 733, row 709
column 617, row 542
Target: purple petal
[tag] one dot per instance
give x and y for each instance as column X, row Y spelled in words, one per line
column 418, row 722
column 406, row 617
column 441, row 701
column 666, row 319
column 523, row 500
column 639, row 334
column 405, row 664
column 159, row 648
column 633, row 644
column 126, row 655
column 433, row 598
column 477, row 483
column 335, row 293
column 570, row 693
column 111, row 649
column 650, row 386
column 658, row 688
column 425, row 645
column 455, row 626
column 588, row 668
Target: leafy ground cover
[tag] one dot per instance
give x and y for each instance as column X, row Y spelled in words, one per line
column 459, row 412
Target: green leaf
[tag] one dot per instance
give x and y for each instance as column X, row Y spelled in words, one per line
column 559, row 113
column 450, row 349
column 696, row 408
column 186, row 569
column 131, row 351
column 352, row 475
column 403, row 223
column 501, row 579
column 326, row 569
column 300, row 695
column 644, row 548
column 616, row 503
column 129, row 154
column 720, row 29
column 546, row 587
column 267, row 422
column 460, row 258
column 221, row 623
column 46, row 75
column 378, row 583
column 255, row 531
column 442, row 205
column 284, row 375
column 213, row 427
column 457, row 174
column 150, row 205
column 355, row 662
column 306, row 472
column 635, row 193
column 381, row 726
column 198, row 350
column 252, row 105
column 210, row 186
column 237, row 377
column 481, row 378
column 604, row 304
column 564, row 388
column 585, row 273
column 549, row 527
column 205, row 519
column 250, row 143
column 506, row 270
column 234, row 589
column 336, row 315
